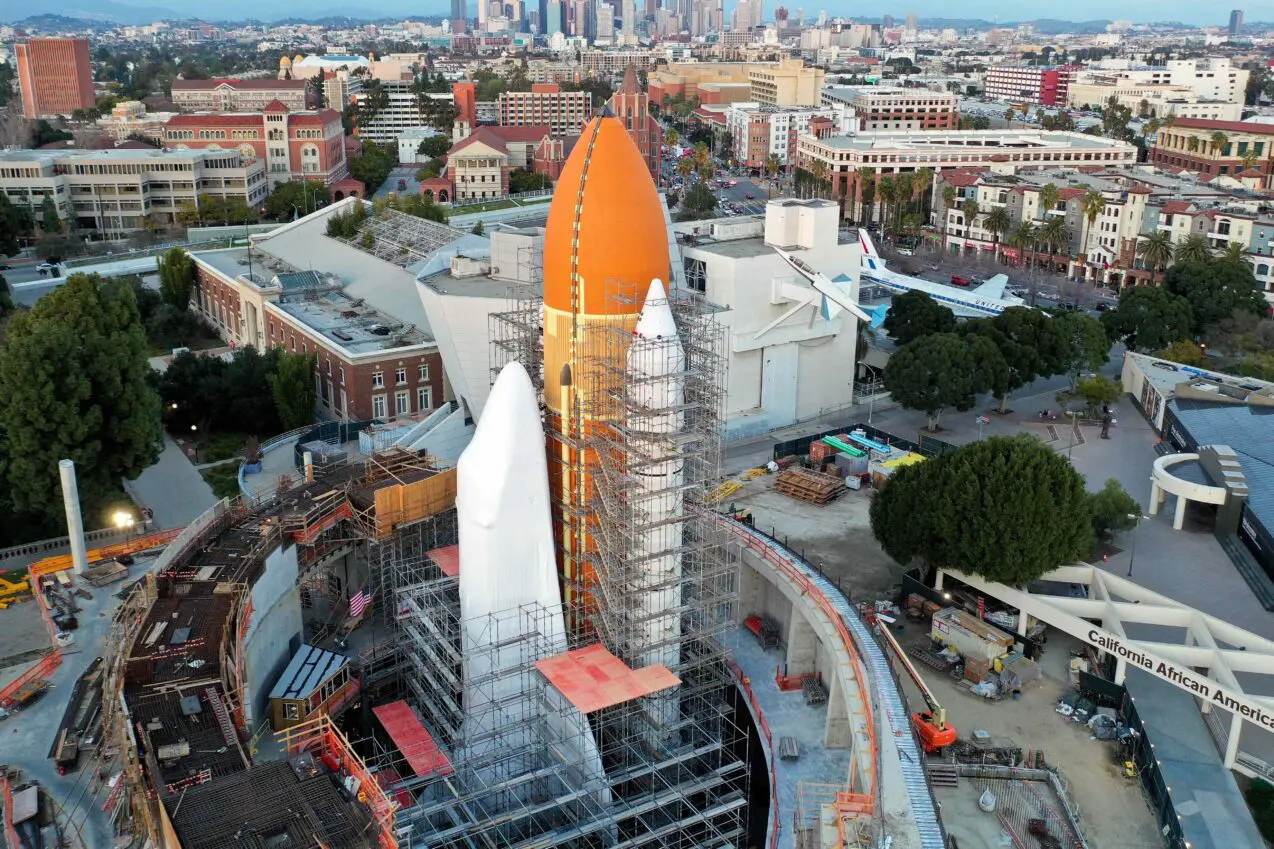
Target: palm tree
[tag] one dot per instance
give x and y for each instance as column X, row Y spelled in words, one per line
column 970, row 210
column 1250, row 157
column 1093, row 204
column 864, row 178
column 772, row 166
column 1155, row 250
column 1050, row 196
column 1234, row 253
column 1217, row 141
column 1024, row 239
column 1009, row 114
column 1192, row 144
column 904, row 190
column 948, row 203
column 921, row 183
column 1054, row 235
column 997, row 222
column 1191, row 249
column 686, row 167
column 818, row 170
column 886, row 196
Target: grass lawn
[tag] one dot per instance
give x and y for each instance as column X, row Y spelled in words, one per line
column 221, row 446
column 224, row 479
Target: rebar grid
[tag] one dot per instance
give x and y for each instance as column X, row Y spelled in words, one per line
column 401, row 238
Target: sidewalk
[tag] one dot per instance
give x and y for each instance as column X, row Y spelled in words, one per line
column 172, row 488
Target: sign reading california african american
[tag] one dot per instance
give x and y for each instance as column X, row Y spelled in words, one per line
column 1185, row 678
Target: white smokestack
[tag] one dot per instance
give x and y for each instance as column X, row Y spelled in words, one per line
column 74, row 521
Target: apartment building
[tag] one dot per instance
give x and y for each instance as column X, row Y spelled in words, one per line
column 786, row 83
column 885, row 108
column 758, row 132
column 117, row 192
column 1212, row 79
column 306, row 292
column 545, row 105
column 293, row 145
column 1004, row 150
column 402, row 112
column 227, row 95
column 54, row 76
column 600, row 63
column 1217, row 148
column 1037, row 85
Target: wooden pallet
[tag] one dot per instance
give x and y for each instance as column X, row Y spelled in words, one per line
column 809, row 486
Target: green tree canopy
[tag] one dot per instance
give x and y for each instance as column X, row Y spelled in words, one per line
column 1031, row 343
column 914, row 314
column 372, row 166
column 1006, row 508
column 1087, row 345
column 292, row 387
column 435, row 146
column 49, row 220
column 933, row 373
column 697, row 202
column 176, row 277
column 1149, row 318
column 14, row 224
column 73, row 385
column 1111, row 508
column 1215, row 290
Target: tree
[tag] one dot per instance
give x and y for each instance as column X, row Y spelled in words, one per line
column 14, row 224
column 1249, row 158
column 435, row 146
column 372, row 167
column 1087, row 345
column 1214, row 291
column 887, row 195
column 1055, row 235
column 672, row 137
column 49, row 220
column 1234, row 253
column 948, row 203
column 997, row 222
column 1024, row 239
column 478, row 229
column 1218, row 142
column 1098, row 389
column 1149, row 318
column 1031, row 342
column 1049, row 196
column 933, row 373
column 176, row 277
column 1006, row 508
column 970, row 210
column 1093, row 204
column 292, row 387
column 6, row 300
column 73, row 385
column 525, row 180
column 1184, row 351
column 1111, row 508
column 914, row 314
column 865, row 185
column 698, row 202
column 1191, row 249
column 1155, row 250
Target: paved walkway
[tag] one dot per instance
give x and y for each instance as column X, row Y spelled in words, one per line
column 172, row 488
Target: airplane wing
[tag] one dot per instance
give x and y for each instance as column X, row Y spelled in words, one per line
column 993, row 289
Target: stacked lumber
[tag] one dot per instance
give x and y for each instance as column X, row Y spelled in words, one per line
column 806, row 485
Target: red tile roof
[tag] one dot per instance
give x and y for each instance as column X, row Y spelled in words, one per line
column 1175, row 207
column 1223, row 126
column 1140, row 190
column 520, row 134
column 485, row 135
column 275, row 105
column 1070, row 193
column 1251, row 172
column 243, row 85
column 961, row 179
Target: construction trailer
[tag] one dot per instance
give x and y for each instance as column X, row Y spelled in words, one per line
column 970, row 636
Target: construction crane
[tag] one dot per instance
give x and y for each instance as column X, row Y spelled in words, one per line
column 931, row 725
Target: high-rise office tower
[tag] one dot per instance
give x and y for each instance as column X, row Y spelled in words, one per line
column 459, row 10
column 1236, row 22
column 912, row 21
column 628, row 9
column 54, row 76
column 553, row 20
column 888, row 22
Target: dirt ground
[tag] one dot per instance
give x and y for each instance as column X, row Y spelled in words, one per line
column 837, row 538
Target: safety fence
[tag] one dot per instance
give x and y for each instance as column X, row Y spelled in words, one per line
column 763, row 727
column 6, row 798
column 145, row 542
column 52, row 659
column 267, row 447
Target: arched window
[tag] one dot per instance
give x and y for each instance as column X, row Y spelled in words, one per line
column 1262, row 269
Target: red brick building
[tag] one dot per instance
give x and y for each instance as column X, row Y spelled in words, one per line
column 55, row 76
column 632, row 106
column 563, row 112
column 293, row 145
column 228, row 95
column 1192, row 144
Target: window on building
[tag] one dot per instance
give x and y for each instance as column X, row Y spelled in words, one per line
column 380, row 408
column 424, row 398
column 291, row 711
column 400, row 376
column 402, row 403
column 424, row 371
column 378, row 380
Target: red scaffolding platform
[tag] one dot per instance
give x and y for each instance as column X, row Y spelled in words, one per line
column 592, row 678
column 418, row 747
column 447, row 559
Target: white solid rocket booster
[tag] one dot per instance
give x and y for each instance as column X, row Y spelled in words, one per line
column 510, row 603
column 656, row 369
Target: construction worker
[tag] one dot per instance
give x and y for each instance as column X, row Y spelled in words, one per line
column 1105, row 425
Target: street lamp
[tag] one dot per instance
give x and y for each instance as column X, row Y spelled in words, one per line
column 124, row 521
column 1132, row 557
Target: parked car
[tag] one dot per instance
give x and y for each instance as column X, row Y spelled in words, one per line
column 47, row 268
column 4, row 266
column 906, row 252
column 750, row 196
column 957, row 280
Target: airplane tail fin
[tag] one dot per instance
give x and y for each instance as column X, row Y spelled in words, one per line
column 878, row 314
column 869, row 247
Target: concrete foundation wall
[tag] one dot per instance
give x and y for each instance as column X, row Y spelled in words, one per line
column 274, row 632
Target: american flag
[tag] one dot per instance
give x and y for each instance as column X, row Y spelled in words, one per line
column 360, row 602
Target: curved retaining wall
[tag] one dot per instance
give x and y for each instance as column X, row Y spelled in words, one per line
column 885, row 710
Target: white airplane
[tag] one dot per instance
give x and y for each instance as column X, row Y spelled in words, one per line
column 984, row 301
column 835, row 296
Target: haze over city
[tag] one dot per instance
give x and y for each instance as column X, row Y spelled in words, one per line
column 636, row 424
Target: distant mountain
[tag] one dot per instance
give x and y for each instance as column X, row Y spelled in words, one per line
column 96, row 10
column 59, row 23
